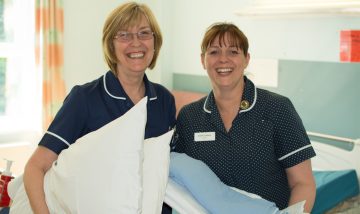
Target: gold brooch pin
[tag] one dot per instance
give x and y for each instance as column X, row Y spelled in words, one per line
column 244, row 105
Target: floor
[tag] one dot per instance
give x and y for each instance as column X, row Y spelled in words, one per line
column 350, row 206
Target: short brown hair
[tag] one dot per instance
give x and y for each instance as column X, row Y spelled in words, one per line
column 219, row 29
column 124, row 16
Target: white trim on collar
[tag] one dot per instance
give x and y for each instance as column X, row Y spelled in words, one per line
column 204, row 107
column 120, row 98
column 113, row 96
column 241, row 111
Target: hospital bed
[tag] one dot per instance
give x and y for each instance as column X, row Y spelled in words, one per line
column 337, row 173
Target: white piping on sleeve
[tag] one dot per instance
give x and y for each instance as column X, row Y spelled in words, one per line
column 293, row 152
column 58, row 137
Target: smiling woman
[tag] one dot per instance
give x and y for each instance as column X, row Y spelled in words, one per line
column 92, row 105
column 240, row 119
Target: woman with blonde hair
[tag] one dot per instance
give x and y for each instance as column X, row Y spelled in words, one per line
column 131, row 44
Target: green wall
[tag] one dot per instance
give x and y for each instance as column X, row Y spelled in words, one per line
column 325, row 94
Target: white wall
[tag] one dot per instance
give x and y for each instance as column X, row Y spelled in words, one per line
column 83, row 23
column 314, row 38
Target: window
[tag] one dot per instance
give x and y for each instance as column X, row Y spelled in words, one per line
column 20, row 85
column 2, row 61
column 2, row 30
column 2, row 85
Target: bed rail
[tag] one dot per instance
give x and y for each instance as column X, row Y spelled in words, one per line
column 333, row 137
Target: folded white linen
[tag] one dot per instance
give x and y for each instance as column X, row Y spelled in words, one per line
column 181, row 199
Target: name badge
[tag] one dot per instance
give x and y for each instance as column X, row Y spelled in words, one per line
column 204, row 136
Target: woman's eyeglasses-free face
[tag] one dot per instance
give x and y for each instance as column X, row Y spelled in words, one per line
column 124, row 36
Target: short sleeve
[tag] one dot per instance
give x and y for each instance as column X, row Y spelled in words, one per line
column 68, row 124
column 292, row 144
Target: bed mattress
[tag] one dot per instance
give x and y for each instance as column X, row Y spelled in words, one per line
column 333, row 187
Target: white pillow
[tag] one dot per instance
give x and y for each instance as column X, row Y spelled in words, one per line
column 20, row 203
column 102, row 171
column 155, row 172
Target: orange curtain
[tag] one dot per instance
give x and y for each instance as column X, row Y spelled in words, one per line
column 49, row 55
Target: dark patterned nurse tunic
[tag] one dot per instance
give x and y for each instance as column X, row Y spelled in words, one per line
column 266, row 137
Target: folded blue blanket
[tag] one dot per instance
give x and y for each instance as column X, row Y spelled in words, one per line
column 210, row 191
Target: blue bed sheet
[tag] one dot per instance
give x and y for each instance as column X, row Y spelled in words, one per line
column 332, row 187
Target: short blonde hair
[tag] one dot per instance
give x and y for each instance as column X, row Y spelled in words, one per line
column 125, row 16
column 220, row 29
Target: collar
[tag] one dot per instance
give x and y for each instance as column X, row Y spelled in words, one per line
column 248, row 99
column 114, row 89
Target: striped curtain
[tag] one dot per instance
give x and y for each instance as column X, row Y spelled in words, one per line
column 49, row 55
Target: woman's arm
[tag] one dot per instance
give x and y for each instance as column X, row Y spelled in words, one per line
column 35, row 169
column 302, row 184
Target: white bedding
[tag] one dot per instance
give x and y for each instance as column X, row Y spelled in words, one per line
column 181, row 200
column 333, row 158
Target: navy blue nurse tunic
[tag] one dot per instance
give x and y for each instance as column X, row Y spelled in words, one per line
column 92, row 105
